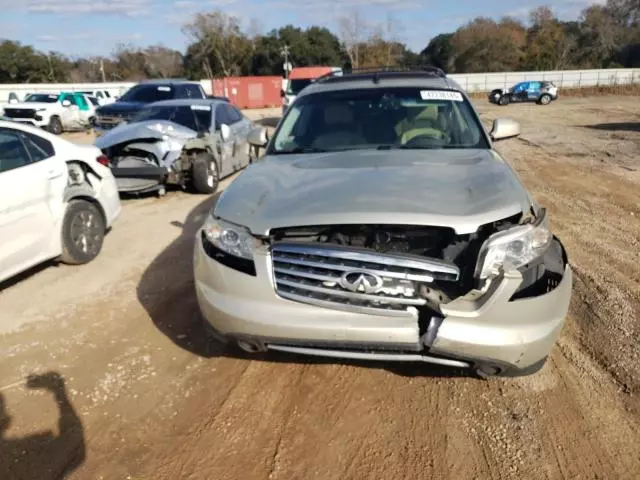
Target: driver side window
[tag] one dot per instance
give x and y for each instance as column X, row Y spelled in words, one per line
column 222, row 117
column 12, row 152
column 70, row 98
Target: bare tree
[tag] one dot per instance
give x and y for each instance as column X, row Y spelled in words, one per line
column 391, row 37
column 218, row 37
column 163, row 62
column 541, row 15
column 352, row 33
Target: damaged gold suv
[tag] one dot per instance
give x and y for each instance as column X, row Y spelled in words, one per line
column 381, row 224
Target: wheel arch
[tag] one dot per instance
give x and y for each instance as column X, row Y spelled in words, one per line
column 86, row 166
column 83, row 193
column 59, row 118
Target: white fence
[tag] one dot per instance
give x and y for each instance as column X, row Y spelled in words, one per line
column 471, row 82
column 115, row 88
column 485, row 82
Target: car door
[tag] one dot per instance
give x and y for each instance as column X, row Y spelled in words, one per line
column 242, row 128
column 520, row 91
column 235, row 137
column 225, row 150
column 85, row 107
column 32, row 181
column 70, row 115
column 533, row 91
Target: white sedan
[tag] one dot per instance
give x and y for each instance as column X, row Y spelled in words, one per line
column 57, row 199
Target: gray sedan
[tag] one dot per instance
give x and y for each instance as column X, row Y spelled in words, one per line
column 192, row 143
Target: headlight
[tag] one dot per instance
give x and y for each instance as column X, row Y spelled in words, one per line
column 232, row 239
column 512, row 249
column 41, row 109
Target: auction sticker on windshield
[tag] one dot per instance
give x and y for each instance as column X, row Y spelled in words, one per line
column 441, row 95
column 205, row 108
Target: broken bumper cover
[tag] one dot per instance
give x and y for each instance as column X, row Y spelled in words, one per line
column 492, row 331
column 134, row 179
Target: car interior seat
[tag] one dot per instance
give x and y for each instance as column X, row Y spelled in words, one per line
column 423, row 122
column 340, row 128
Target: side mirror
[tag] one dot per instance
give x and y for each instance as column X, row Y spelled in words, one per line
column 504, row 128
column 225, row 132
column 66, row 103
column 282, row 94
column 257, row 137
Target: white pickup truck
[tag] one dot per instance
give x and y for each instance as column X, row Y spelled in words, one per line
column 55, row 112
column 105, row 97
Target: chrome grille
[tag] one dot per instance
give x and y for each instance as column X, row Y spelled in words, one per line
column 327, row 275
column 108, row 122
column 19, row 113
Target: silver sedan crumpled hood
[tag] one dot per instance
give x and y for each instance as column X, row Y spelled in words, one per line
column 462, row 189
column 128, row 132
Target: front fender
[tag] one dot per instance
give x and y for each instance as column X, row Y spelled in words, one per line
column 78, row 191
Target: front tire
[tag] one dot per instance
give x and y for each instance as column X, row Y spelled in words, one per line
column 204, row 174
column 545, row 99
column 83, row 231
column 55, row 126
column 504, row 100
column 253, row 154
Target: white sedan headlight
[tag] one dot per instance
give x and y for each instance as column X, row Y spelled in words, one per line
column 512, row 248
column 232, row 239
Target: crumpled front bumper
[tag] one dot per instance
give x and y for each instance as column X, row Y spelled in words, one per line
column 494, row 331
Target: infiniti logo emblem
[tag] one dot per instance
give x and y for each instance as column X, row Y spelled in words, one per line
column 361, row 281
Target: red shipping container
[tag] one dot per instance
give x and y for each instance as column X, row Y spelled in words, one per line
column 249, row 92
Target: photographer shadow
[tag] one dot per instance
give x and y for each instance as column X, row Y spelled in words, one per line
column 43, row 455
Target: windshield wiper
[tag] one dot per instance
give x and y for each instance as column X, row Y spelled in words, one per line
column 408, row 147
column 301, row 150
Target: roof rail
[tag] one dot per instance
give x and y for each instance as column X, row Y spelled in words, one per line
column 377, row 72
column 164, row 80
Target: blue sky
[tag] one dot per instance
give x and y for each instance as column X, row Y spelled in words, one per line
column 86, row 27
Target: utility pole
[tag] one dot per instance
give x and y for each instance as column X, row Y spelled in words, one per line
column 104, row 80
column 285, row 52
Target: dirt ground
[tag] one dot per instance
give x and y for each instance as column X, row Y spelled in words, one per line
column 106, row 373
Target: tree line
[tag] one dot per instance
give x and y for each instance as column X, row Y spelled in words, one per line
column 603, row 36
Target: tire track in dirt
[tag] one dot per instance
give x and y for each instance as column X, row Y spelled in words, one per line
column 592, row 210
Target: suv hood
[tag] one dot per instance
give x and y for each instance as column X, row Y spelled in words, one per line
column 120, row 108
column 461, row 189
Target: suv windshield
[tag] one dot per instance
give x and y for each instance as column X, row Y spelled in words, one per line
column 295, row 86
column 380, row 118
column 148, row 93
column 196, row 118
column 41, row 98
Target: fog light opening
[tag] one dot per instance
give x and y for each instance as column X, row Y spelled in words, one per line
column 487, row 371
column 251, row 346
